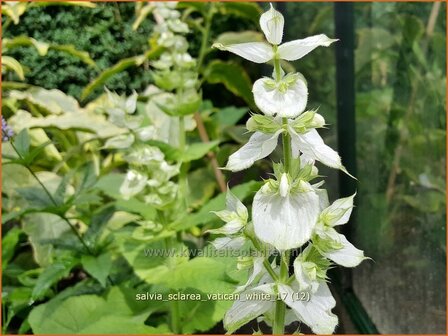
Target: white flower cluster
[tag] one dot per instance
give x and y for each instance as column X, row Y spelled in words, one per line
column 149, row 174
column 289, row 211
column 175, row 70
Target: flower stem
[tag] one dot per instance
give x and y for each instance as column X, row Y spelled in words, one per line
column 286, row 138
column 280, row 308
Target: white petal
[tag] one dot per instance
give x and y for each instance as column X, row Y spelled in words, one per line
column 348, row 256
column 231, row 227
column 257, row 269
column 323, row 198
column 285, row 222
column 228, row 243
column 296, row 49
column 339, row 211
column 316, row 313
column 272, row 23
column 146, row 133
column 259, row 146
column 131, row 103
column 245, row 310
column 312, row 145
column 235, row 205
column 258, row 52
column 133, row 183
column 304, row 281
column 286, row 105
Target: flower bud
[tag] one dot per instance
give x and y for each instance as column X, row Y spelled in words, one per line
column 284, row 185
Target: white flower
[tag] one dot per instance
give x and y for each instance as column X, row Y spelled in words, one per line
column 285, row 98
column 260, row 145
column 235, row 217
column 288, row 221
column 316, row 313
column 332, row 244
column 310, row 267
column 272, row 23
column 133, row 183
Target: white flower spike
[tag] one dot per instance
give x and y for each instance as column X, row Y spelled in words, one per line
column 272, row 23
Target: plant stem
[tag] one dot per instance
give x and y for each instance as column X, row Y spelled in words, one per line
column 206, row 34
column 64, row 218
column 200, row 123
column 280, row 308
column 286, row 139
column 183, row 183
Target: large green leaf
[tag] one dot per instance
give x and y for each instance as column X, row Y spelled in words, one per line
column 51, row 101
column 122, row 65
column 90, row 314
column 83, row 121
column 234, row 78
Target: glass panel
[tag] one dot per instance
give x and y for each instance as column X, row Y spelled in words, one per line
column 400, row 114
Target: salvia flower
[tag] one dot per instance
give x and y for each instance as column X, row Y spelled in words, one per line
column 315, row 312
column 332, row 244
column 7, row 132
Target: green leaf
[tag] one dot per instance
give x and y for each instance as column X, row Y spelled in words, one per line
column 204, row 184
column 42, row 226
column 36, row 197
column 87, row 4
column 51, row 101
column 71, row 50
column 122, row 65
column 98, row 223
column 229, row 116
column 14, row 65
column 110, row 184
column 98, row 267
column 141, row 14
column 234, row 78
column 89, row 314
column 22, row 142
column 205, row 215
column 51, row 275
column 198, row 150
column 43, row 47
column 247, row 10
column 9, row 243
column 136, row 206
